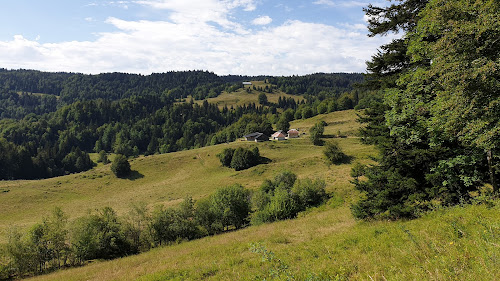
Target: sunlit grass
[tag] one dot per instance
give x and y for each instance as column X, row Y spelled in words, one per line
column 167, row 179
column 454, row 244
column 327, row 243
column 242, row 97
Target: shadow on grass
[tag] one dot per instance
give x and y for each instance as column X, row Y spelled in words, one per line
column 334, row 137
column 264, row 160
column 346, row 159
column 134, row 175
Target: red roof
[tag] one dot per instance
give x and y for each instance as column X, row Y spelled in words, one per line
column 278, row 134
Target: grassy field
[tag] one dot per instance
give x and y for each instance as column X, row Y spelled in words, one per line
column 242, row 97
column 324, row 243
column 166, row 179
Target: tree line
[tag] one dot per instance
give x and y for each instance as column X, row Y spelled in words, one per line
column 124, row 114
column 437, row 125
column 57, row 242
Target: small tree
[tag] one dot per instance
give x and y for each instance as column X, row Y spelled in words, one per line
column 231, row 206
column 226, row 156
column 262, row 99
column 317, row 133
column 103, row 157
column 121, row 166
column 333, row 153
column 283, row 124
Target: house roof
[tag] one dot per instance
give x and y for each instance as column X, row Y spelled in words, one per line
column 278, row 134
column 247, row 83
column 293, row 131
column 253, row 135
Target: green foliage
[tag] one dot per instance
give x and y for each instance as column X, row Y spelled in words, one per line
column 283, row 124
column 99, row 236
column 334, row 153
column 103, row 157
column 231, row 206
column 172, row 225
column 309, row 192
column 284, row 197
column 437, row 128
column 316, row 133
column 44, row 246
column 248, row 123
column 136, row 228
column 262, row 98
column 120, row 166
column 226, row 156
column 240, row 158
column 206, row 217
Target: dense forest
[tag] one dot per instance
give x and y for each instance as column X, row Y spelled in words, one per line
column 437, row 126
column 51, row 121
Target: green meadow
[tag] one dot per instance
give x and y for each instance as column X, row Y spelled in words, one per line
column 323, row 243
column 168, row 178
column 241, row 97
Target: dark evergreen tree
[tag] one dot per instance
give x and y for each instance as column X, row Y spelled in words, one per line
column 121, row 166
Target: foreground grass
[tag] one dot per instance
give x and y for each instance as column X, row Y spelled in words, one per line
column 326, row 244
column 166, row 179
column 323, row 243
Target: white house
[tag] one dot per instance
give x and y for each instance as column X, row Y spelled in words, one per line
column 278, row 136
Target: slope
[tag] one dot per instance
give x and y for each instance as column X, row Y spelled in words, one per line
column 166, row 179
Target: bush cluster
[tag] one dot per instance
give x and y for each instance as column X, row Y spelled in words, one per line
column 333, row 153
column 240, row 158
column 285, row 196
column 316, row 133
column 121, row 166
column 55, row 243
column 101, row 234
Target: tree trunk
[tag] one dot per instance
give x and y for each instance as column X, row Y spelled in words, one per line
column 493, row 181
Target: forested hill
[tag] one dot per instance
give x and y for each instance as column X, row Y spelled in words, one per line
column 29, row 91
column 51, row 121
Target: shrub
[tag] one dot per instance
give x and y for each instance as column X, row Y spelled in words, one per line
column 316, row 133
column 99, row 236
column 226, row 156
column 206, row 217
column 333, row 153
column 121, row 166
column 240, row 158
column 285, row 197
column 103, row 157
column 309, row 193
column 230, row 206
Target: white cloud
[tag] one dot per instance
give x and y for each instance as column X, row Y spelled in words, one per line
column 217, row 11
column 294, row 47
column 333, row 3
column 263, row 20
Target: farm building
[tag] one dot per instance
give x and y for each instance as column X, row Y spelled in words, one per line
column 247, row 83
column 293, row 133
column 278, row 136
column 256, row 137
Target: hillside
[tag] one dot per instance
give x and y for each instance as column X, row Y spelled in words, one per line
column 241, row 97
column 325, row 243
column 168, row 178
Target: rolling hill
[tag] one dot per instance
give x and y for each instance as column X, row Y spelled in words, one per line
column 324, row 243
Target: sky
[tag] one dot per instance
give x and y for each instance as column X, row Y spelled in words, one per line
column 241, row 37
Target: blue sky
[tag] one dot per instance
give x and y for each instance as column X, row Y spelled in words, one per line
column 224, row 36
